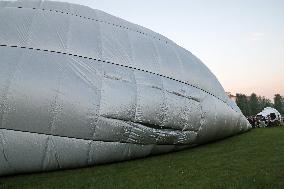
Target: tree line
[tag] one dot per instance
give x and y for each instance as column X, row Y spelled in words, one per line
column 253, row 104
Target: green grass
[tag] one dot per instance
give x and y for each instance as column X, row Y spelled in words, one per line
column 252, row 160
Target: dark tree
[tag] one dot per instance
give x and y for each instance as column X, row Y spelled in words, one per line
column 279, row 103
column 264, row 102
column 242, row 102
column 254, row 104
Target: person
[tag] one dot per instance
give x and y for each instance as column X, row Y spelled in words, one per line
column 263, row 122
column 257, row 121
column 269, row 121
column 251, row 121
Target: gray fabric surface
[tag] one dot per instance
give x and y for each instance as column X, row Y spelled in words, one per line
column 80, row 87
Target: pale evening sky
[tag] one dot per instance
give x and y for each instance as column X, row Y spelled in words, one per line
column 241, row 41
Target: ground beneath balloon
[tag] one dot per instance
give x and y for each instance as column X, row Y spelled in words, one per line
column 252, row 160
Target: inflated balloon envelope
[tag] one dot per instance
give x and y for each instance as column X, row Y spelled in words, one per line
column 80, row 87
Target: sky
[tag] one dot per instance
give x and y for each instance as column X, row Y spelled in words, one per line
column 241, row 41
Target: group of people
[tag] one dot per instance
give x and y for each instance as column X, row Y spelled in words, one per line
column 261, row 121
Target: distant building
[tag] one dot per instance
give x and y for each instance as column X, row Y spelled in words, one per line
column 232, row 97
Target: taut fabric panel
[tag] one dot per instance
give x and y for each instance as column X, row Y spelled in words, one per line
column 79, row 87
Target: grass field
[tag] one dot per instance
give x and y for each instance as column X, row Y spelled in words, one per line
column 253, row 160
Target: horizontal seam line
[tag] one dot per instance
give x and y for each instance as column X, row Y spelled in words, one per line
column 108, row 62
column 29, row 132
column 93, row 19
